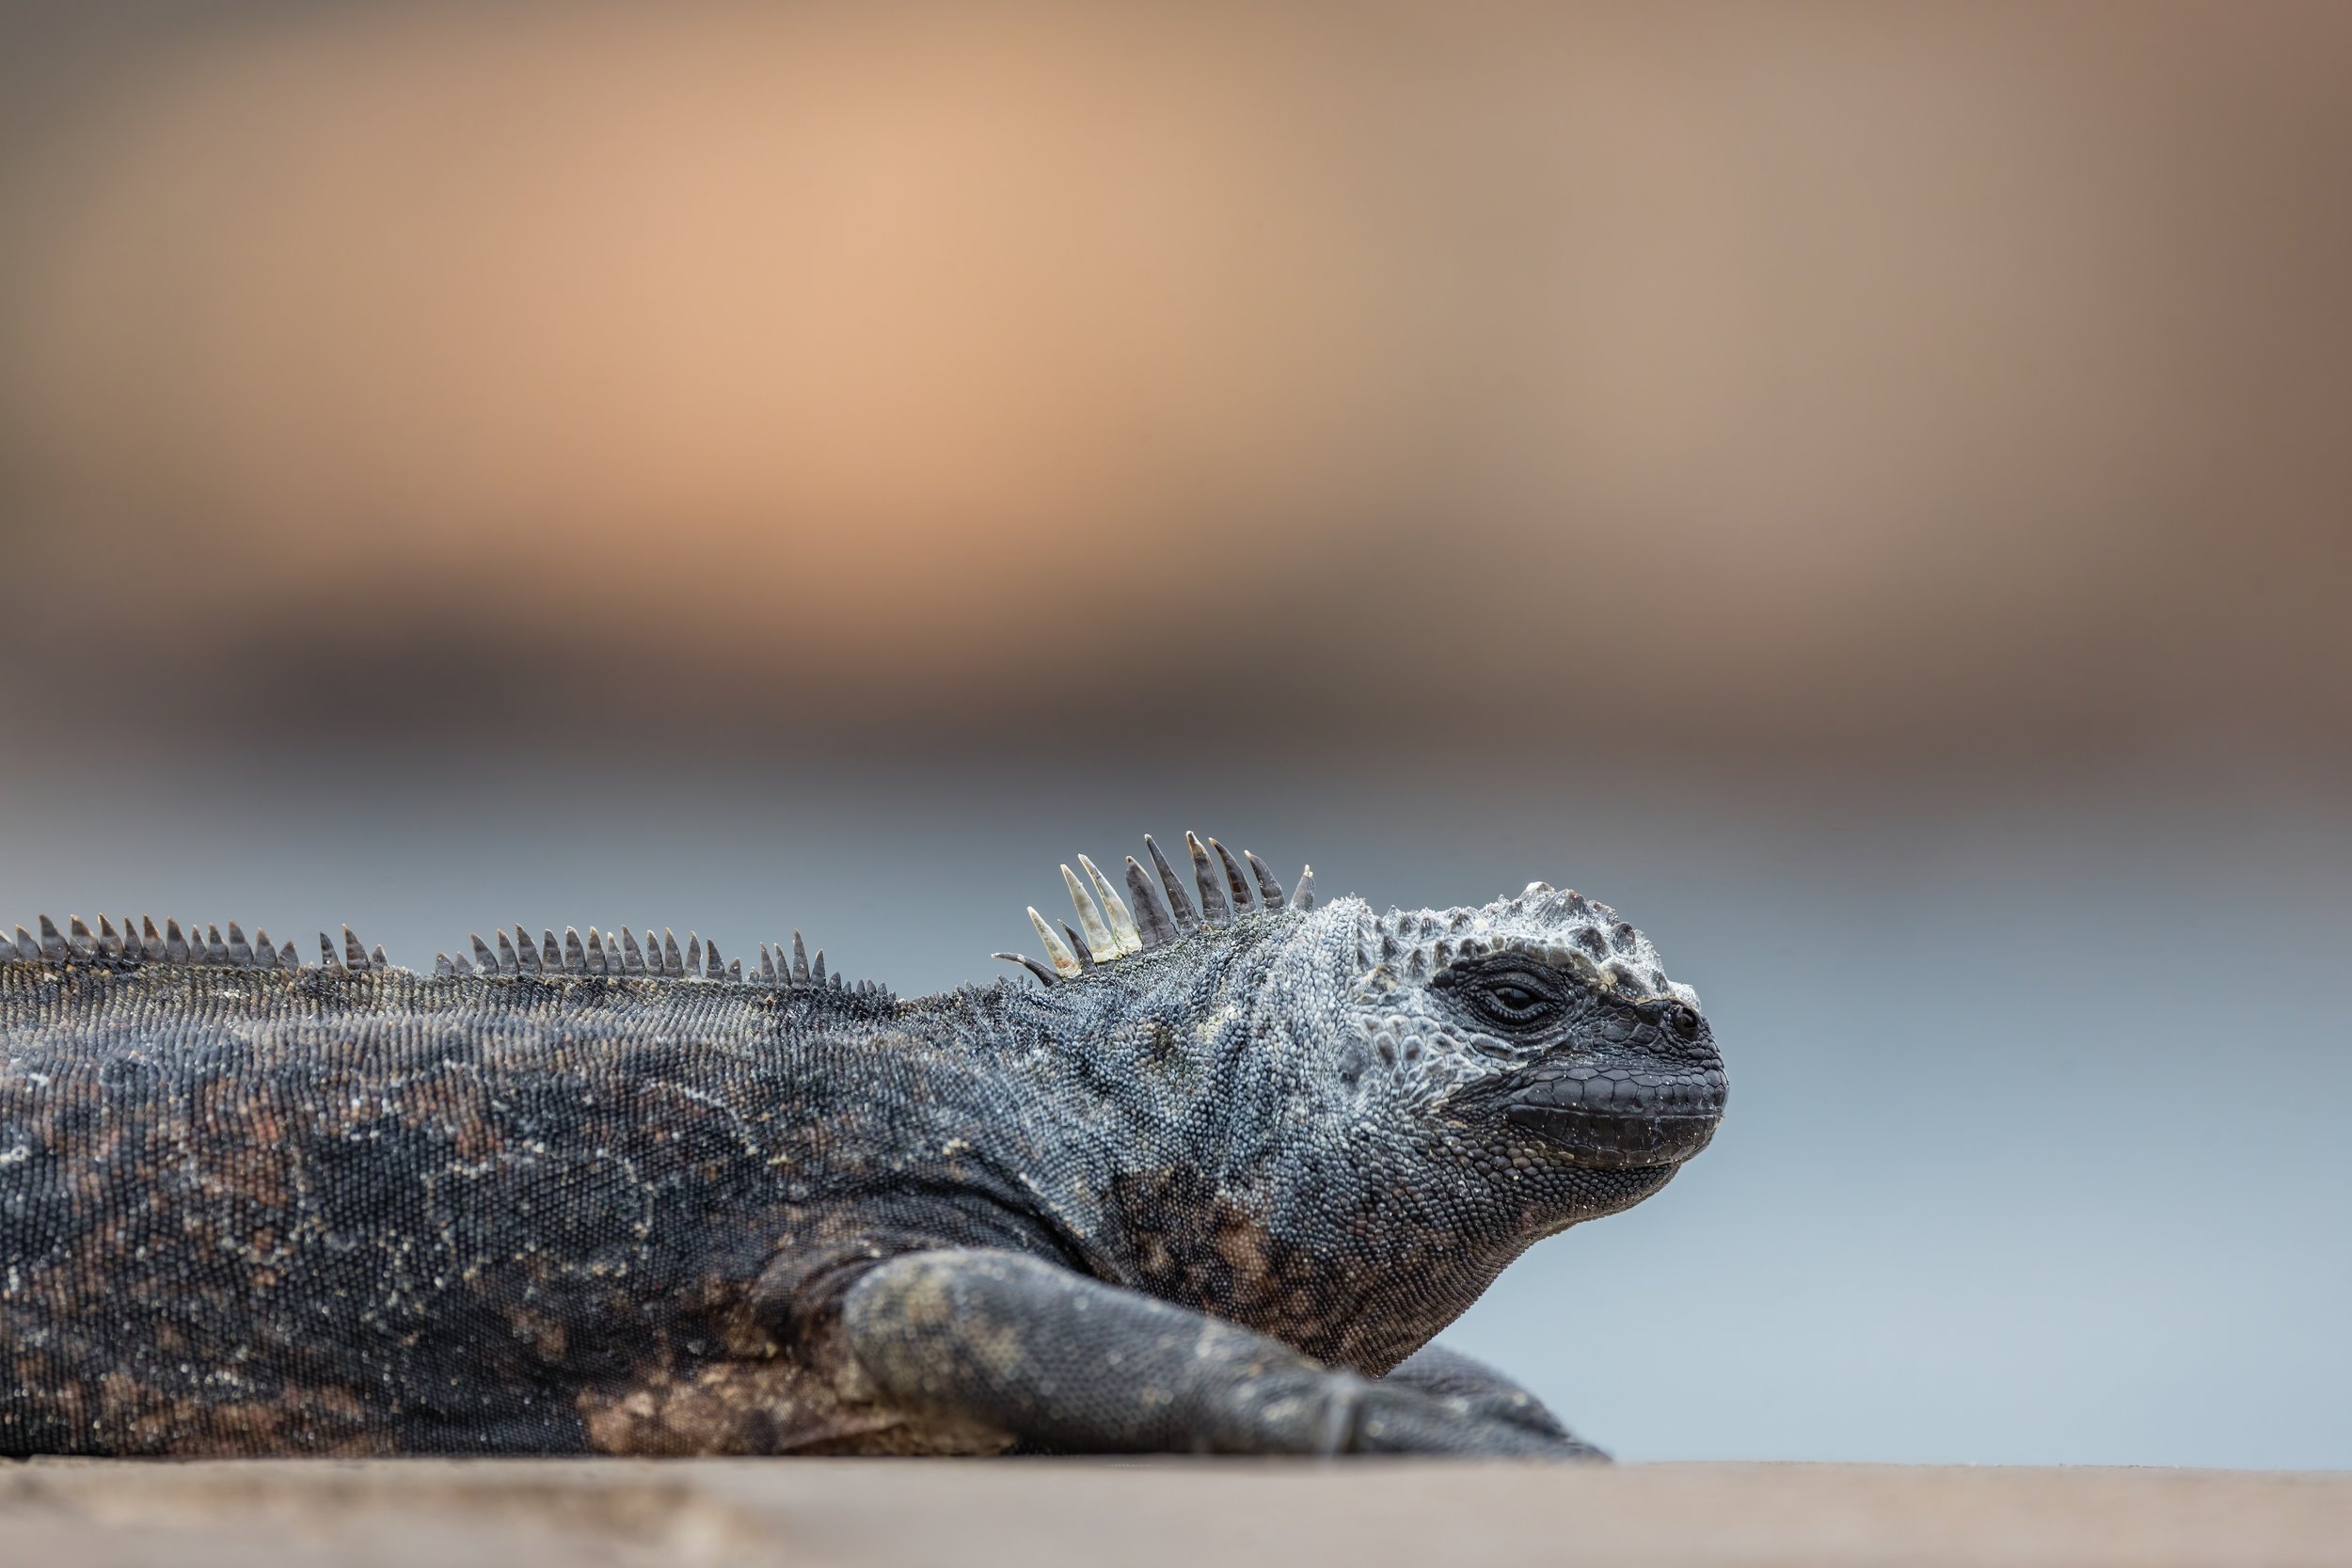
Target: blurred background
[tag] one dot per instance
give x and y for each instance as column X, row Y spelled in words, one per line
column 1865, row 488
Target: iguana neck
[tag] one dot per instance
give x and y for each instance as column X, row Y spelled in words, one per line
column 1230, row 1165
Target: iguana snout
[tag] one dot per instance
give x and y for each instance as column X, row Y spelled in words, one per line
column 1621, row 1118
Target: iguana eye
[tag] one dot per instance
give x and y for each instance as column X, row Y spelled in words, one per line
column 1511, row 1001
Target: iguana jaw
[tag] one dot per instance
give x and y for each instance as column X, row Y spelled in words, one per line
column 1634, row 1128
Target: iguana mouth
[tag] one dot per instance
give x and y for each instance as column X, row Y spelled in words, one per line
column 1615, row 1123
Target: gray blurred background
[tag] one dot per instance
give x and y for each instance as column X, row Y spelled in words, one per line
column 1862, row 489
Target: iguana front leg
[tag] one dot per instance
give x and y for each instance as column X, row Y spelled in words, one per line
column 1055, row 1358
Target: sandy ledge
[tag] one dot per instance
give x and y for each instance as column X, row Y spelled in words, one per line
column 1041, row 1514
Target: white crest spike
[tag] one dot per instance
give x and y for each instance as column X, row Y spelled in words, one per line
column 1100, row 944
column 1057, row 952
column 1123, row 932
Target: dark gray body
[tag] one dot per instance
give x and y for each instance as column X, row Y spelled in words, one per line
column 1174, row 1201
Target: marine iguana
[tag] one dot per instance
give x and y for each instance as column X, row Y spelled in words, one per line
column 1212, row 1185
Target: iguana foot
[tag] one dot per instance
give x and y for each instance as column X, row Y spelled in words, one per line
column 1479, row 1391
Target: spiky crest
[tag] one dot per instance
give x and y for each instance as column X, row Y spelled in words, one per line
column 1110, row 928
column 139, row 944
column 618, row 954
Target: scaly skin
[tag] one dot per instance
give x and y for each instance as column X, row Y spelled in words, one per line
column 1210, row 1195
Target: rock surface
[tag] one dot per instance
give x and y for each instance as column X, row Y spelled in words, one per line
column 1043, row 1514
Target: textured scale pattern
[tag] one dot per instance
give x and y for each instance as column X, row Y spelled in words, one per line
column 1211, row 1183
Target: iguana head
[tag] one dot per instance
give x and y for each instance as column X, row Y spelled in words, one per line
column 1535, row 1042
column 1539, row 1031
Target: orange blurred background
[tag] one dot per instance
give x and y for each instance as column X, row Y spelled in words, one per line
column 1850, row 377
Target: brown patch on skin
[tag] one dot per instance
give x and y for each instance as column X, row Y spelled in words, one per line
column 545, row 1334
column 1247, row 1246
column 723, row 1308
column 1199, row 1246
column 142, row 1418
column 1202, row 1246
column 767, row 1372
column 764, row 1408
column 451, row 1107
